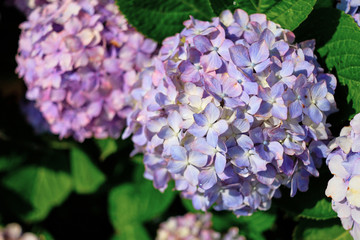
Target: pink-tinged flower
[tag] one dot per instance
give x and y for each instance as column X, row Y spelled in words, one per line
column 13, row 231
column 231, row 110
column 193, row 226
column 80, row 60
column 344, row 186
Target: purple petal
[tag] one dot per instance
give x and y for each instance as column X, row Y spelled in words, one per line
column 323, row 104
column 197, row 130
column 176, row 166
column 212, row 137
column 178, row 153
column 245, row 142
column 207, row 178
column 315, row 114
column 241, row 17
column 211, row 61
column 262, row 66
column 279, row 111
column 191, row 174
column 217, row 37
column 220, row 163
column 224, row 49
column 242, row 125
column 197, row 159
column 212, row 113
column 189, row 73
column 295, row 109
column 259, row 52
column 202, row 44
column 220, row 126
column 200, row 119
column 319, row 90
column 240, row 56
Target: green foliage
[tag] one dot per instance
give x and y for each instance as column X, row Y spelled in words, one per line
column 342, row 54
column 314, row 230
column 137, row 202
column 321, row 211
column 159, row 19
column 132, row 232
column 252, row 226
column 107, row 147
column 8, row 163
column 86, row 176
column 288, row 13
column 250, row 6
column 40, row 186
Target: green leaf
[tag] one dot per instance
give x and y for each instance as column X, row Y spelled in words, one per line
column 137, row 202
column 288, row 13
column 314, row 230
column 342, row 54
column 10, row 162
column 132, row 232
column 107, row 147
column 251, row 226
column 250, row 6
column 321, row 211
column 87, row 177
column 42, row 187
column 324, row 4
column 159, row 19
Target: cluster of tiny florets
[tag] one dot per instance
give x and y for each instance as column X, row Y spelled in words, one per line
column 344, row 186
column 351, row 7
column 79, row 60
column 193, row 226
column 13, row 231
column 232, row 109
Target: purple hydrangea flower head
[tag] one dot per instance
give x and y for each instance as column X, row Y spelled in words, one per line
column 13, row 231
column 344, row 186
column 193, row 226
column 231, row 110
column 80, row 60
column 351, row 7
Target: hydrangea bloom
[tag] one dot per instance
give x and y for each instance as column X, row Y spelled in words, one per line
column 193, row 226
column 351, row 7
column 231, row 110
column 13, row 231
column 79, row 60
column 344, row 186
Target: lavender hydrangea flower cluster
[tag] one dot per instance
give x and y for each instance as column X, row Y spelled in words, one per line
column 13, row 231
column 79, row 60
column 193, row 226
column 232, row 109
column 344, row 186
column 351, row 7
